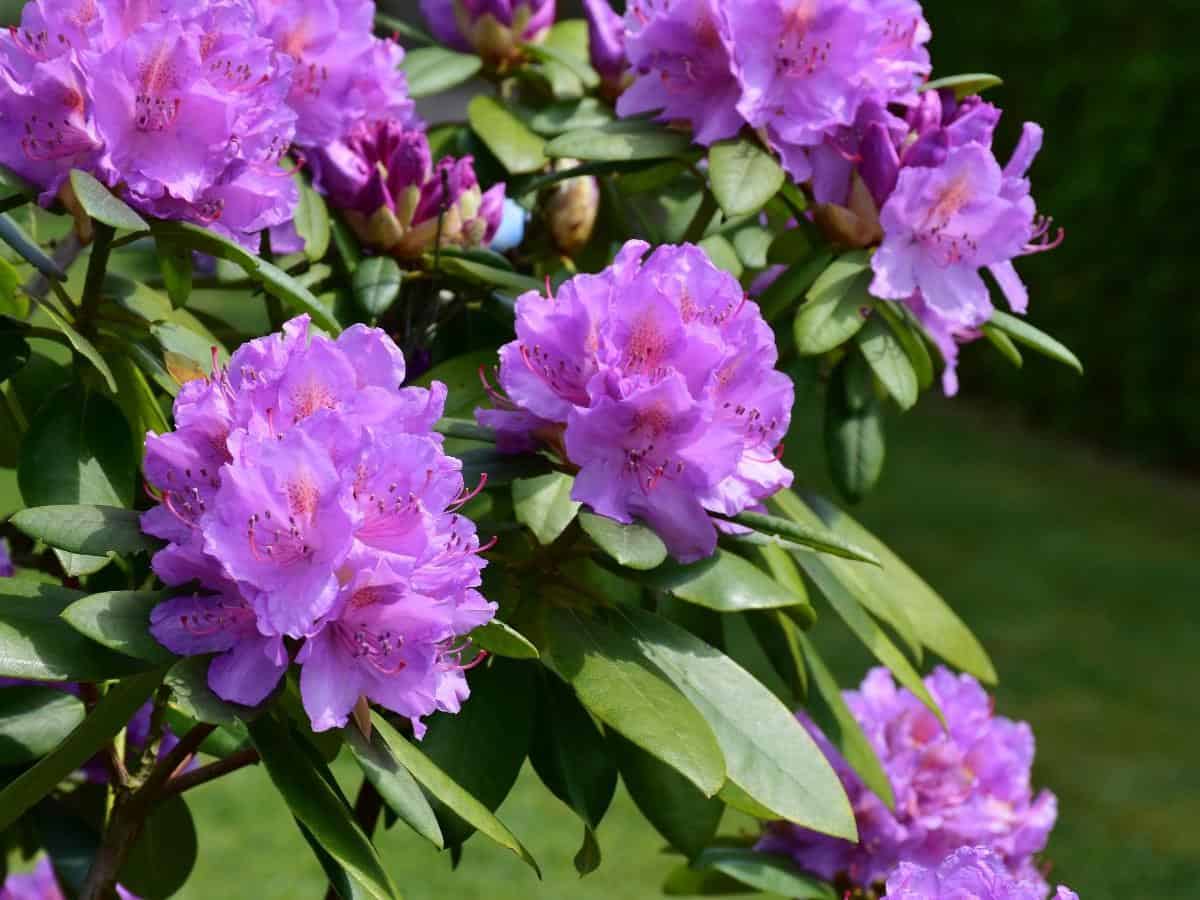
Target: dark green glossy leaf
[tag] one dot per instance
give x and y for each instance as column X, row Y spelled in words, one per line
column 744, row 175
column 499, row 716
column 500, row 468
column 764, row 872
column 912, row 340
column 570, row 115
column 120, row 620
column 854, row 440
column 671, row 803
column 33, row 721
column 395, row 784
column 628, row 694
column 1024, row 333
column 964, row 85
column 544, row 505
column 465, row 430
column 108, row 717
column 103, row 205
column 191, row 695
column 889, row 361
column 792, row 284
column 769, row 754
column 633, row 546
column 449, row 792
column 274, row 280
column 81, row 345
column 175, row 264
column 312, row 221
column 687, row 882
column 319, row 808
column 431, row 70
column 14, row 354
column 816, row 538
column 94, row 530
column 519, row 150
column 462, row 378
column 835, row 308
column 487, row 275
column 377, row 283
column 500, row 639
column 1003, row 343
column 164, row 854
column 724, row 582
column 620, row 142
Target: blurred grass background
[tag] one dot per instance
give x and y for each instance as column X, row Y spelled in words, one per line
column 1079, row 575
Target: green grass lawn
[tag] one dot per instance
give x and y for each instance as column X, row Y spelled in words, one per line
column 1080, row 575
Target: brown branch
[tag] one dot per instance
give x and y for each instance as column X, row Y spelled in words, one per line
column 188, row 780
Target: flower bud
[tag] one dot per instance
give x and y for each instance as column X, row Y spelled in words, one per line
column 495, row 29
column 571, row 209
column 606, row 42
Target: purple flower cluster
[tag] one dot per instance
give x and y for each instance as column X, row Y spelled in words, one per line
column 965, row 786
column 948, row 210
column 495, row 29
column 796, row 71
column 656, row 379
column 305, row 493
column 187, row 108
column 381, row 174
column 40, row 883
column 970, row 872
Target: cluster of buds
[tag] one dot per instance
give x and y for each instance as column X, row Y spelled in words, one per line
column 495, row 29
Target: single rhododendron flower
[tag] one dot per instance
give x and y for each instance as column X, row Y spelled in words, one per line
column 495, row 29
column 382, row 177
column 40, row 883
column 970, row 873
column 965, row 785
column 306, row 496
column 179, row 107
column 657, row 380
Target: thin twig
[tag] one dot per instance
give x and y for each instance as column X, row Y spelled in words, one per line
column 188, row 780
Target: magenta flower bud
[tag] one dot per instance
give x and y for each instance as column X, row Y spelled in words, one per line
column 606, row 41
column 495, row 29
column 973, row 872
column 964, row 785
column 382, row 177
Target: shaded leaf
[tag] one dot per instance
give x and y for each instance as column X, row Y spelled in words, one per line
column 103, row 205
column 544, row 505
column 377, row 283
column 94, row 530
column 889, row 361
column 633, row 546
column 120, row 620
column 395, row 784
column 834, row 311
column 725, row 582
column 33, row 721
column 164, row 854
column 1024, row 333
column 312, row 221
column 765, row 872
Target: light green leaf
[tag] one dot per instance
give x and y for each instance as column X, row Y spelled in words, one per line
column 108, row 717
column 620, row 142
column 395, row 784
column 93, row 530
column 724, row 582
column 500, row 639
column 103, row 205
column 82, row 345
column 519, row 150
column 813, row 537
column 120, row 620
column 964, row 85
column 1024, row 333
column 431, row 70
column 630, row 696
column 33, row 721
column 723, row 254
column 792, row 284
column 888, row 360
column 312, row 221
column 377, row 283
column 484, row 274
column 1003, row 343
column 440, row 785
column 633, row 546
column 744, row 175
column 570, row 115
column 834, row 311
column 544, row 505
column 319, row 808
column 912, row 340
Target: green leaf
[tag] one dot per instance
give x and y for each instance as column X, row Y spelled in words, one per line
column 175, row 264
column 913, row 342
column 687, row 882
column 487, row 275
column 570, row 115
column 431, row 70
column 620, row 142
column 16, row 238
column 836, row 301
column 500, row 468
column 741, row 644
column 137, row 400
column 12, row 183
column 164, row 854
column 888, row 360
column 854, row 441
column 964, row 85
column 751, row 243
column 577, row 66
column 1003, row 343
column 461, row 375
column 33, row 721
column 500, row 717
column 744, row 175
column 768, row 873
column 569, row 753
column 440, row 785
column 633, row 546
column 724, row 582
column 377, row 283
column 631, row 696
column 937, row 626
column 722, row 254
column 318, row 807
column 769, row 754
column 103, row 205
column 191, row 695
column 274, row 280
column 815, row 537
column 120, row 620
column 1024, row 333
column 465, row 429
column 395, row 784
column 544, row 505
column 36, row 644
column 93, row 530
column 312, row 221
column 836, row 721
column 671, row 803
column 518, row 149
column 500, row 639
column 792, row 284
column 108, row 717
column 82, row 345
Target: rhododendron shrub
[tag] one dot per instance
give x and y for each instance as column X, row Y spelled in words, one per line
column 443, row 445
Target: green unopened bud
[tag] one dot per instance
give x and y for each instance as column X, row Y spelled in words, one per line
column 571, row 209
